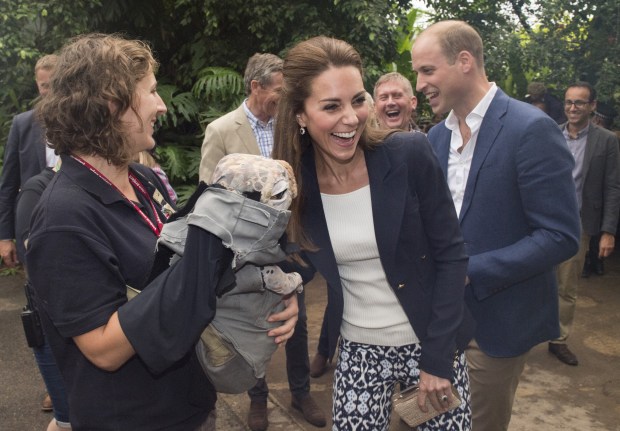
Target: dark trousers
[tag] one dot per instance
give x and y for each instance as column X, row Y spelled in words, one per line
column 297, row 363
column 593, row 247
column 323, row 346
column 592, row 262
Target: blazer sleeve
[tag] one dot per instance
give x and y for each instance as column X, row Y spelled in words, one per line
column 26, row 201
column 611, row 192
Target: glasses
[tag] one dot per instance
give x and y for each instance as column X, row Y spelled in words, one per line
column 577, row 103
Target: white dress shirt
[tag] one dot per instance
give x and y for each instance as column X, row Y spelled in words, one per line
column 459, row 163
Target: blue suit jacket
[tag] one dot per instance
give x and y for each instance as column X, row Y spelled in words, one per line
column 24, row 157
column 519, row 219
column 419, row 242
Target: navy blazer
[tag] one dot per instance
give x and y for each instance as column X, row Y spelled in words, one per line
column 519, row 219
column 420, row 245
column 24, row 157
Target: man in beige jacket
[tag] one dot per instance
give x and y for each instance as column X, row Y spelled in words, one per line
column 249, row 128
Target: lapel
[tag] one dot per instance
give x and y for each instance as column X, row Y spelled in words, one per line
column 388, row 189
column 314, row 223
column 389, row 184
column 441, row 146
column 37, row 138
column 589, row 150
column 41, row 154
column 489, row 129
column 245, row 133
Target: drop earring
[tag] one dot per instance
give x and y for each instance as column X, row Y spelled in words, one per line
column 302, row 130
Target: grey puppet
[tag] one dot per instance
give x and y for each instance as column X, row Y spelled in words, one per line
column 234, row 349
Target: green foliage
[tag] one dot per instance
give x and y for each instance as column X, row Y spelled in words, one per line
column 203, row 47
column 179, row 162
column 8, row 271
column 218, row 82
column 182, row 106
column 184, row 192
column 31, row 29
column 220, row 89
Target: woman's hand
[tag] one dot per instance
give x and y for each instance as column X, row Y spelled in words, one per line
column 288, row 316
column 437, row 390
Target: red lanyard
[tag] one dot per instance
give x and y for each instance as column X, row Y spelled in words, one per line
column 156, row 228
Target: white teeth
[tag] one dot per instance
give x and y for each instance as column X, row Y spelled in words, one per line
column 348, row 135
column 431, row 95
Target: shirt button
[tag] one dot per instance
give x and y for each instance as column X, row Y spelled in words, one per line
column 401, row 285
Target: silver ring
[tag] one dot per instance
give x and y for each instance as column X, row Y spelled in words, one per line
column 444, row 398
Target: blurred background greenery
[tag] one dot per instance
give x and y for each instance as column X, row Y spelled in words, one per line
column 203, row 46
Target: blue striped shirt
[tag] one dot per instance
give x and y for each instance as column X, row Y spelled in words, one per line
column 262, row 131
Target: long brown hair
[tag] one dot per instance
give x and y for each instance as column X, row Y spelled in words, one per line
column 302, row 65
column 94, row 72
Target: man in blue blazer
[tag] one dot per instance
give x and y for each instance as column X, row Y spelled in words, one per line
column 509, row 172
column 25, row 156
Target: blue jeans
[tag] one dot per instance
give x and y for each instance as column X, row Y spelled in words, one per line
column 297, row 362
column 53, row 381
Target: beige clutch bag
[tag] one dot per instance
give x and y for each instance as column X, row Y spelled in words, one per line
column 406, row 406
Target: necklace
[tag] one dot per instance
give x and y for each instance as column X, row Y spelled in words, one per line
column 155, row 227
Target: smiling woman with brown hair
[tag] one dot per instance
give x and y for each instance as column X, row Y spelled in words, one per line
column 374, row 216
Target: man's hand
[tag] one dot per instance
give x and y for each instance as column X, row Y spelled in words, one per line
column 288, row 316
column 8, row 252
column 606, row 245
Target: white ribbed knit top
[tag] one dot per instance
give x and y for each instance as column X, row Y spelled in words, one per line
column 372, row 313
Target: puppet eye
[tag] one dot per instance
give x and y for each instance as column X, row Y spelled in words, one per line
column 279, row 195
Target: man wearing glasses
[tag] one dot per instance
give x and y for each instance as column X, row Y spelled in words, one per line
column 597, row 183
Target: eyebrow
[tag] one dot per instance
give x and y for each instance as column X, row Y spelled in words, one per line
column 335, row 99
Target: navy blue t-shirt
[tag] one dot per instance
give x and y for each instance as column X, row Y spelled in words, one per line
column 86, row 244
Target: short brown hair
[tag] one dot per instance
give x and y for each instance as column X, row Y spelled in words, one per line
column 47, row 62
column 456, row 36
column 259, row 68
column 394, row 77
column 94, row 72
